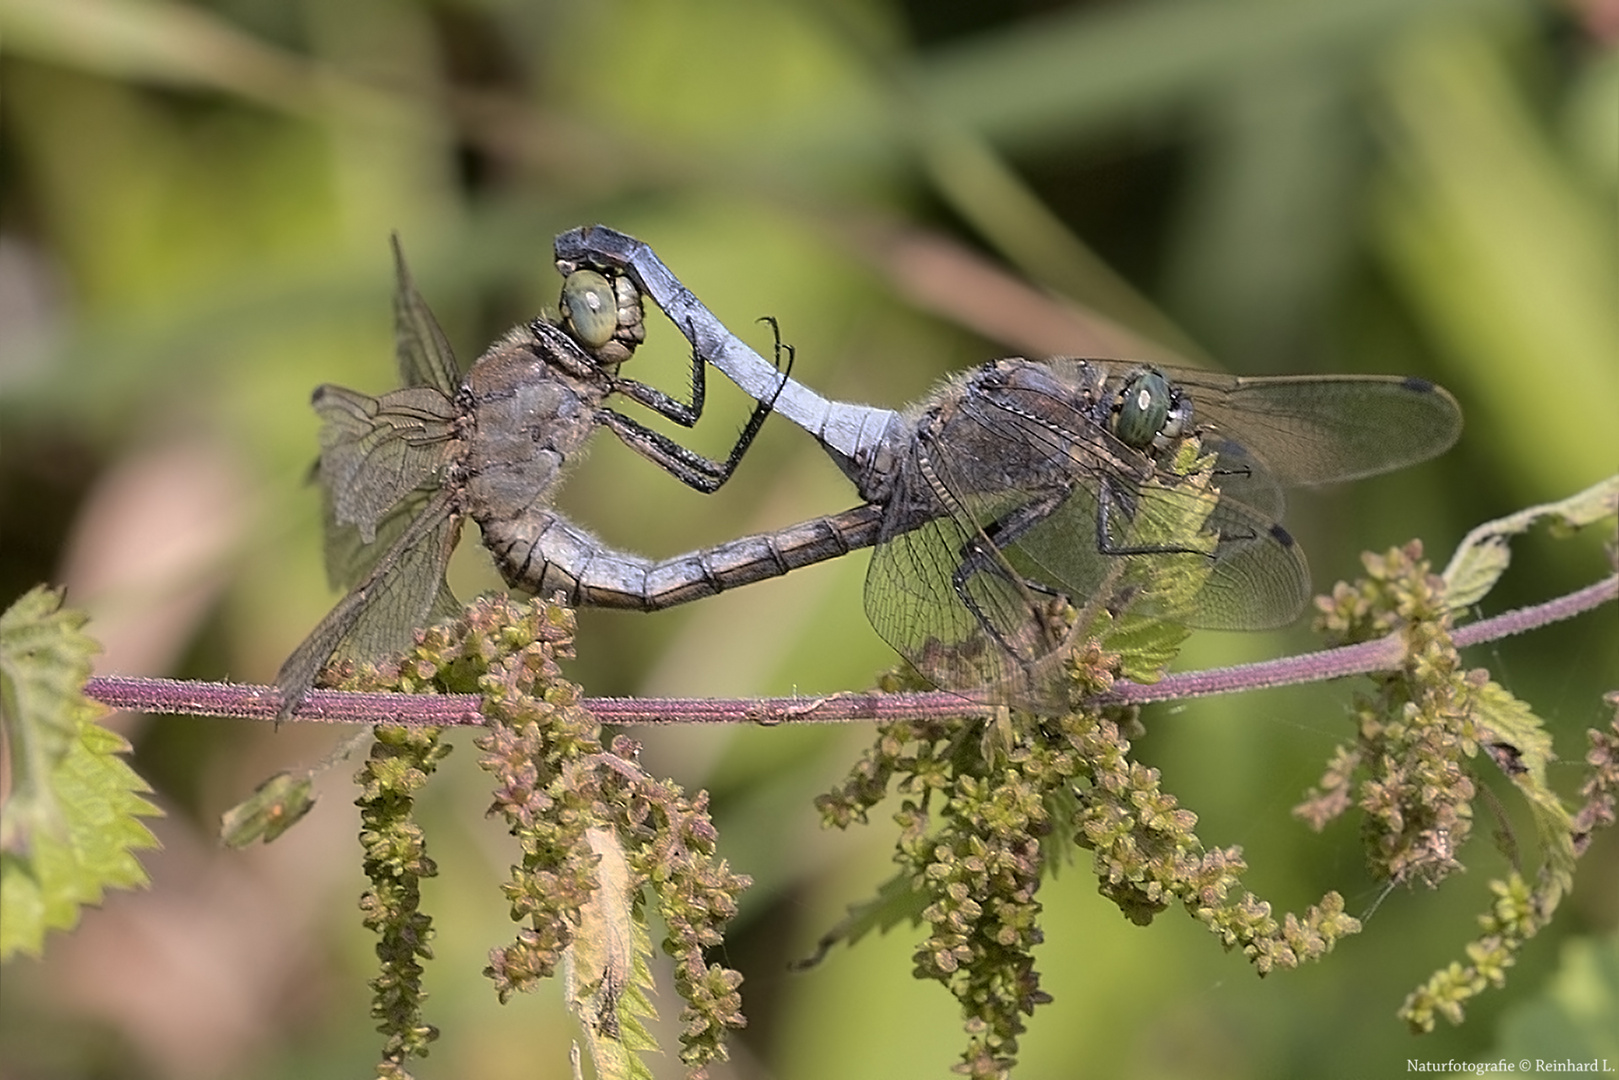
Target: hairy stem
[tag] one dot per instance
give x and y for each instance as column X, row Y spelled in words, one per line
column 332, row 706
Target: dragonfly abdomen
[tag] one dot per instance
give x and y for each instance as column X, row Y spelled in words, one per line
column 545, row 554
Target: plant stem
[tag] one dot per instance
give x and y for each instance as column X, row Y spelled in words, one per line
column 334, row 706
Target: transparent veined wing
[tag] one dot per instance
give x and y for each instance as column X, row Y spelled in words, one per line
column 423, row 352
column 1324, row 429
column 376, row 451
column 402, row 588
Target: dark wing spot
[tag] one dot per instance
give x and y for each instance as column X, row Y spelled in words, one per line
column 1416, row 385
column 1281, row 536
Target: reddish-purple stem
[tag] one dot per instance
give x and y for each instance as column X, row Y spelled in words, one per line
column 343, row 707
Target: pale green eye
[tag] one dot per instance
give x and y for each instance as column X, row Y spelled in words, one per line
column 1143, row 409
column 589, row 308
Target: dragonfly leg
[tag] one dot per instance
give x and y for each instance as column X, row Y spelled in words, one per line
column 983, row 555
column 686, row 465
column 686, row 414
column 1111, row 501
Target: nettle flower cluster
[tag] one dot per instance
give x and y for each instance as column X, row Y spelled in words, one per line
column 597, row 835
column 986, row 807
column 1411, row 773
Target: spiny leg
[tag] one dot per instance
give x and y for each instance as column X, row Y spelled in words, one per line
column 686, row 465
column 983, row 554
column 1110, row 497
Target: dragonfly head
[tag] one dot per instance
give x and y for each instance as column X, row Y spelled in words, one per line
column 1151, row 411
column 589, row 309
column 602, row 316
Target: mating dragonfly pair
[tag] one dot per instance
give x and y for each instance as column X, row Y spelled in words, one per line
column 1011, row 495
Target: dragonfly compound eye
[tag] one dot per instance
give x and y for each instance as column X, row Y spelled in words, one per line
column 1144, row 409
column 589, row 308
column 1177, row 422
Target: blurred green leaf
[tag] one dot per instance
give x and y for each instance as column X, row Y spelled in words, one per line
column 1504, row 254
column 72, row 818
column 170, row 43
column 897, row 901
column 1575, row 1017
column 1090, row 67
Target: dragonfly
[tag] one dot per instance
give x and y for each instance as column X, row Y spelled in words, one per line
column 1023, row 489
column 402, row 472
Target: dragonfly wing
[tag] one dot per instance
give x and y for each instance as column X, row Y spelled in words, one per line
column 350, row 559
column 403, row 589
column 424, row 354
column 1170, row 548
column 1259, row 579
column 1322, row 429
column 971, row 632
column 406, row 590
column 943, row 587
column 375, row 451
column 1243, row 478
column 1115, row 545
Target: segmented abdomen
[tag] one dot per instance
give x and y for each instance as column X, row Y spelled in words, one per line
column 544, row 553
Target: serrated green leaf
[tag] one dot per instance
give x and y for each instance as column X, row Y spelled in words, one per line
column 274, row 807
column 1517, row 736
column 44, row 662
column 1060, row 846
column 1147, row 641
column 101, row 806
column 1485, row 553
column 1145, row 645
column 607, row 975
column 71, row 823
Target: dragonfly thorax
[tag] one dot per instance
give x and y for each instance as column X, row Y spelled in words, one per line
column 535, row 397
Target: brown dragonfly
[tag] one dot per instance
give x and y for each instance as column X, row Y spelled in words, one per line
column 400, row 473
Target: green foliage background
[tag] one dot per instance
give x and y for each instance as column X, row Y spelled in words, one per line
column 194, row 208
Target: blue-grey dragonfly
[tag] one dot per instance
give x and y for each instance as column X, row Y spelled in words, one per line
column 1021, row 487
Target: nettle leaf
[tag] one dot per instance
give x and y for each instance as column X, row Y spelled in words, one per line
column 71, row 824
column 1485, row 552
column 607, row 974
column 1148, row 638
column 897, row 901
column 1521, row 746
column 44, row 661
